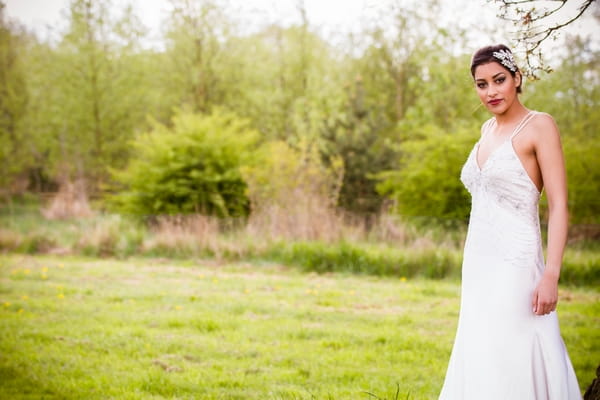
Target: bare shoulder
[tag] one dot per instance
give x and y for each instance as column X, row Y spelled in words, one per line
column 544, row 127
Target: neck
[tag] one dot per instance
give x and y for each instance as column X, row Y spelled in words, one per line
column 514, row 113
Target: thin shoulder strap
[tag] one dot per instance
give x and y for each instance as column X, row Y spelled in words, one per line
column 486, row 126
column 522, row 124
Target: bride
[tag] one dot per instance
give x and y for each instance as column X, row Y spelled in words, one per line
column 508, row 344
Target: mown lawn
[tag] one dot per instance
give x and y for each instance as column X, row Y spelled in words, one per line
column 74, row 328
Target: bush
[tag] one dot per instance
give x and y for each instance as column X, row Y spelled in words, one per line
column 583, row 177
column 293, row 193
column 428, row 184
column 191, row 167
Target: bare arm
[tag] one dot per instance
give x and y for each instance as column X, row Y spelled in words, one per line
column 550, row 159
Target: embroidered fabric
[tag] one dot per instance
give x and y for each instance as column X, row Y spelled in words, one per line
column 502, row 350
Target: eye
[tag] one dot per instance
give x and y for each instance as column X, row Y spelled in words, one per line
column 481, row 85
column 501, row 79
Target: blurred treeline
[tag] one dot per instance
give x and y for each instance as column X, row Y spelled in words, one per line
column 230, row 123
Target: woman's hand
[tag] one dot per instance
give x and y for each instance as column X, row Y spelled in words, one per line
column 545, row 295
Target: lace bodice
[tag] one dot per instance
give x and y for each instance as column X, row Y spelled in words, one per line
column 504, row 203
column 502, row 178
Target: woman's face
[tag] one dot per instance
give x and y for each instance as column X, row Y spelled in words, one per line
column 496, row 87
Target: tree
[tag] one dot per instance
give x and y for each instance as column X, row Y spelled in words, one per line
column 88, row 97
column 538, row 21
column 358, row 135
column 13, row 101
column 196, row 34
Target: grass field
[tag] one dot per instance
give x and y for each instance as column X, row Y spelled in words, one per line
column 78, row 328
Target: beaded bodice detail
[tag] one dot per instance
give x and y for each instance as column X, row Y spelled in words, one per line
column 502, row 179
column 504, row 199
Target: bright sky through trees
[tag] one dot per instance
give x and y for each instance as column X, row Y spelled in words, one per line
column 329, row 16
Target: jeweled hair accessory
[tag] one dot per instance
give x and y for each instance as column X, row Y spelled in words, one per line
column 506, row 58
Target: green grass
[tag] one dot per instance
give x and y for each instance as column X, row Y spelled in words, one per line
column 76, row 328
column 369, row 258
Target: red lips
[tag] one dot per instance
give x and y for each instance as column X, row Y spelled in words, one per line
column 494, row 102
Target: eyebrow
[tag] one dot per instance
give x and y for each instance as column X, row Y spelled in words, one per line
column 493, row 77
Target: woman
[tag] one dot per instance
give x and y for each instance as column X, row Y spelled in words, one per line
column 508, row 344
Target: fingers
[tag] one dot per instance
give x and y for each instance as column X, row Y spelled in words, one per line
column 544, row 306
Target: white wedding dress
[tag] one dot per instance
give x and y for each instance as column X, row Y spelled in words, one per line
column 502, row 350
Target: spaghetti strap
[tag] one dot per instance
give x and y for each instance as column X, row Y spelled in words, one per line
column 486, row 126
column 522, row 124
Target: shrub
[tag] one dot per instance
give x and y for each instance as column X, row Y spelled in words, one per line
column 293, row 193
column 583, row 177
column 191, row 167
column 427, row 184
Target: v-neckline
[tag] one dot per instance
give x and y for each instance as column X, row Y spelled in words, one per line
column 492, row 153
column 495, row 150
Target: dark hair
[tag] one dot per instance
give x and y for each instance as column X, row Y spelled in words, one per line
column 485, row 55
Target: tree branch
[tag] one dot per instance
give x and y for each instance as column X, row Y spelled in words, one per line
column 532, row 35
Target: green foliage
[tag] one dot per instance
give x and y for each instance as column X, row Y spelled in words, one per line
column 86, row 96
column 570, row 95
column 361, row 138
column 293, row 192
column 583, row 177
column 286, row 176
column 192, row 167
column 378, row 101
column 13, row 101
column 438, row 129
column 427, row 184
column 191, row 73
